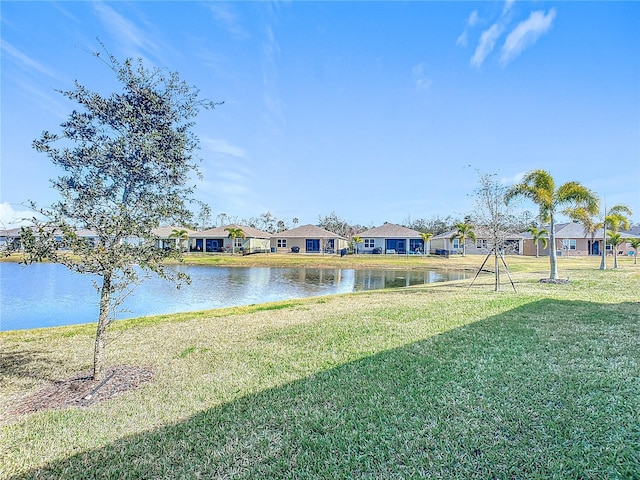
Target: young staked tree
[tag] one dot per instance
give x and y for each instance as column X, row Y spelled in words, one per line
column 127, row 160
column 494, row 218
column 539, row 186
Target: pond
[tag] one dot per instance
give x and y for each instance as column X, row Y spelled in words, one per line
column 45, row 295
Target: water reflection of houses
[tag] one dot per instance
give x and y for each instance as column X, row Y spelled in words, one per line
column 314, row 276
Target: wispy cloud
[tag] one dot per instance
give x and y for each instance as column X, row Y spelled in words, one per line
column 517, row 178
column 473, row 19
column 420, row 78
column 526, row 34
column 123, row 29
column 488, row 40
column 26, row 62
column 273, row 102
column 225, row 16
column 218, row 145
column 507, row 6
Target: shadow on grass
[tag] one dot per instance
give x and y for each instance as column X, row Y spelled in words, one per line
column 26, row 364
column 548, row 390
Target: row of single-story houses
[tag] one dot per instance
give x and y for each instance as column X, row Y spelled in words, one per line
column 571, row 240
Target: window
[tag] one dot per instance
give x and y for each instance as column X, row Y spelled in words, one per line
column 237, row 242
column 569, row 243
column 416, row 245
column 481, row 243
column 282, row 243
column 456, row 243
column 369, row 243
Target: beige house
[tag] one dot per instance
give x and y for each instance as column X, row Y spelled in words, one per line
column 168, row 239
column 217, row 240
column 308, row 239
column 572, row 240
column 391, row 239
column 443, row 244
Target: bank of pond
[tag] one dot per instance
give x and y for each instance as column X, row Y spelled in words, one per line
column 46, row 294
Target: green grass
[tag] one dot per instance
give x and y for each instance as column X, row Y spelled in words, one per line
column 429, row 382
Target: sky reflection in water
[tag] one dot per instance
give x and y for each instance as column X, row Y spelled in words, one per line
column 45, row 295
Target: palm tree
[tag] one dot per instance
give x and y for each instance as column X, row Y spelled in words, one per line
column 635, row 244
column 615, row 239
column 426, row 236
column 233, row 234
column 180, row 235
column 463, row 231
column 538, row 185
column 616, row 218
column 356, row 240
column 589, row 223
column 539, row 235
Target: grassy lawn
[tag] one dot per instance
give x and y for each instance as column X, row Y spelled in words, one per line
column 438, row 381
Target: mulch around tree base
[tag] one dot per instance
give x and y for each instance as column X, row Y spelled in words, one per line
column 558, row 281
column 82, row 391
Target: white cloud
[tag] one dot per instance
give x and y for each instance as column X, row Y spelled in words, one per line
column 12, row 218
column 420, row 78
column 487, row 42
column 219, row 145
column 526, row 34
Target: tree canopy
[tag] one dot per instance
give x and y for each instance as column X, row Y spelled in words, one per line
column 127, row 159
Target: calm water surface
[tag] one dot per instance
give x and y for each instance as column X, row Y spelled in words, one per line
column 45, row 295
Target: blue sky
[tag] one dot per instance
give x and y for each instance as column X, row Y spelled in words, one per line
column 378, row 111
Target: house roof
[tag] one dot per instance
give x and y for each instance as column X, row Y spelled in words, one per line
column 390, row 230
column 481, row 234
column 220, row 232
column 576, row 231
column 307, row 231
column 165, row 232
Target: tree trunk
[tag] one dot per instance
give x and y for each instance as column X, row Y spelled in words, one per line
column 497, row 268
column 553, row 259
column 103, row 323
column 615, row 257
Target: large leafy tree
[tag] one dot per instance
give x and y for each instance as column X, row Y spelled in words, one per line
column 127, row 160
column 539, row 186
column 463, row 231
